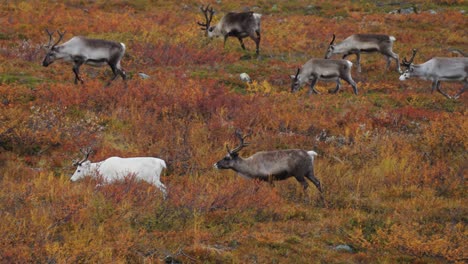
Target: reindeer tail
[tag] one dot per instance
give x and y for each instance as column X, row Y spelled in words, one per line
column 312, row 154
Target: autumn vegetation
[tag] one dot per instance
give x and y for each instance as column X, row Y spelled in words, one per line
column 392, row 160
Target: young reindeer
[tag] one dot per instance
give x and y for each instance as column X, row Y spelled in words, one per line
column 271, row 165
column 364, row 43
column 438, row 69
column 323, row 69
column 239, row 25
column 80, row 50
column 115, row 168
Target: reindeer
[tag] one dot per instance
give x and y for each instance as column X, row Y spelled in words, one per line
column 81, row 50
column 115, row 168
column 438, row 69
column 323, row 69
column 271, row 165
column 364, row 43
column 239, row 25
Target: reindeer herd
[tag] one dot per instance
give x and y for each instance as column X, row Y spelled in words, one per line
column 267, row 165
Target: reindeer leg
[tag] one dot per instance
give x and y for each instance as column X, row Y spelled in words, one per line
column 305, row 185
column 312, row 86
column 338, row 86
column 387, row 58
column 392, row 55
column 351, row 82
column 121, row 71
column 442, row 92
column 434, row 86
column 76, row 70
column 397, row 60
column 225, row 39
column 358, row 61
column 310, row 175
column 462, row 90
column 163, row 189
column 316, row 182
column 241, row 42
column 116, row 73
column 256, row 38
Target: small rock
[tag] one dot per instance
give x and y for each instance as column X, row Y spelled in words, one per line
column 346, row 248
column 409, row 10
column 143, row 75
column 245, row 77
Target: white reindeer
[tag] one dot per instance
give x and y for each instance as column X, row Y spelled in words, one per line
column 323, row 69
column 81, row 50
column 438, row 69
column 364, row 43
column 115, row 168
column 239, row 25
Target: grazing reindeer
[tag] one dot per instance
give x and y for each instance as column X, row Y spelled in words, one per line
column 115, row 168
column 239, row 25
column 271, row 165
column 323, row 69
column 364, row 43
column 438, row 69
column 81, row 50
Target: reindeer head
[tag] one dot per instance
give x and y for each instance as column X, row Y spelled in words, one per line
column 232, row 155
column 52, row 51
column 296, row 84
column 208, row 13
column 83, row 166
column 331, row 48
column 408, row 65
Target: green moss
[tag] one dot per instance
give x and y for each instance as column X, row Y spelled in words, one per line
column 22, row 78
column 4, row 36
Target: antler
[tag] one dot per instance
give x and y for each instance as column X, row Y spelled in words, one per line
column 60, row 37
column 406, row 63
column 297, row 73
column 50, row 38
column 208, row 12
column 242, row 143
column 333, row 39
column 87, row 151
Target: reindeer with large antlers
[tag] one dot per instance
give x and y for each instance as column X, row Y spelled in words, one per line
column 80, row 50
column 364, row 43
column 239, row 25
column 438, row 69
column 115, row 168
column 271, row 165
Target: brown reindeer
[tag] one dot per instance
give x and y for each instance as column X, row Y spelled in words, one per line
column 238, row 25
column 271, row 165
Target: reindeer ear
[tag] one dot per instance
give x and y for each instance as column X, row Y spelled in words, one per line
column 293, row 76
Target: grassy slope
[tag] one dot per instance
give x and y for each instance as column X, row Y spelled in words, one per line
column 392, row 159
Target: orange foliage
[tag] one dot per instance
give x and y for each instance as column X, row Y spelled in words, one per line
column 392, row 160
